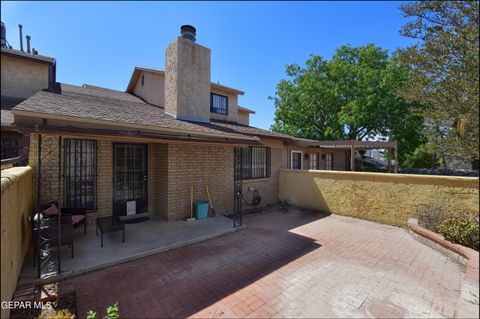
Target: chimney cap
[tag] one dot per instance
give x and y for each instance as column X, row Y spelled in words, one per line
column 188, row 32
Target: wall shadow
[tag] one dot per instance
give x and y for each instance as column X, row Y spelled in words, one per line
column 184, row 281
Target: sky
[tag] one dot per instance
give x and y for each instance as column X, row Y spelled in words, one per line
column 251, row 43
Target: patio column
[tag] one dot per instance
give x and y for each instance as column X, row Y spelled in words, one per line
column 352, row 158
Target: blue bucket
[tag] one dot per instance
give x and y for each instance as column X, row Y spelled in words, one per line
column 201, row 209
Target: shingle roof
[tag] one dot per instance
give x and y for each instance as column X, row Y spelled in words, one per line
column 96, row 104
column 99, row 91
column 246, row 130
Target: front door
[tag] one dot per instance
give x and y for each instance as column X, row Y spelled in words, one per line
column 129, row 179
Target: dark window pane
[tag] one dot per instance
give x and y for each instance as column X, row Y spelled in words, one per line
column 219, row 104
column 80, row 173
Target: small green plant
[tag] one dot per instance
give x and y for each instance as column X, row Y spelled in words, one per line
column 112, row 313
column 462, row 228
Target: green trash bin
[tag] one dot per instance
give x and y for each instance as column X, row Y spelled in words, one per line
column 201, row 209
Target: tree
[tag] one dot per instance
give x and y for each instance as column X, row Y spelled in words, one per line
column 351, row 97
column 444, row 73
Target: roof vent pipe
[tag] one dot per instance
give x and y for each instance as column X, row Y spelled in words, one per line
column 4, row 35
column 188, row 32
column 28, row 43
column 21, row 37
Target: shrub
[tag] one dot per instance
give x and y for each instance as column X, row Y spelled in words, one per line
column 112, row 313
column 431, row 216
column 462, row 228
column 57, row 314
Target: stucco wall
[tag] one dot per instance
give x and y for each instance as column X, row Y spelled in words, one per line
column 21, row 78
column 153, row 88
column 187, row 80
column 385, row 198
column 232, row 105
column 17, row 204
column 243, row 118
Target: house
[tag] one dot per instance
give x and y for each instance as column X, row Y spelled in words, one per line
column 141, row 151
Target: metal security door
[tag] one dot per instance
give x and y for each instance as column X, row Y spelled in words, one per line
column 129, row 177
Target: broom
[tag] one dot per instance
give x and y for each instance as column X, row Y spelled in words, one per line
column 191, row 205
column 210, row 201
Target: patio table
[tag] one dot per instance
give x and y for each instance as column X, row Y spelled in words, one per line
column 110, row 224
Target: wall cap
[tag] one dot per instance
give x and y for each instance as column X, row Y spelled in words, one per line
column 472, row 182
column 10, row 175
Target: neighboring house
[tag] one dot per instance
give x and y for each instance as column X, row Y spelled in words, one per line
column 24, row 73
column 100, row 149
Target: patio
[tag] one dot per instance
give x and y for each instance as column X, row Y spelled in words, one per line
column 141, row 239
column 288, row 263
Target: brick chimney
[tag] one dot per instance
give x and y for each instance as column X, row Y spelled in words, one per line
column 187, row 78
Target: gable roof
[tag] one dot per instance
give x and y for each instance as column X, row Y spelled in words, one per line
column 111, row 108
column 245, row 110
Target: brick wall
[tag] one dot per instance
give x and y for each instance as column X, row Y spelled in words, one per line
column 172, row 170
column 50, row 189
column 161, row 183
column 267, row 187
column 199, row 165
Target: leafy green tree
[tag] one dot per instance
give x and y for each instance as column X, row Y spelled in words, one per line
column 444, row 73
column 351, row 97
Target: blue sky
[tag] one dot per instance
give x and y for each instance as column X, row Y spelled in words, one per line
column 101, row 42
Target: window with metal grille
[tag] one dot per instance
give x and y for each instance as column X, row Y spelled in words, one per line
column 329, row 161
column 256, row 162
column 313, row 161
column 80, row 173
column 218, row 104
column 296, row 160
column 11, row 144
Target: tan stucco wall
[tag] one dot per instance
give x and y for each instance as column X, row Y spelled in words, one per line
column 243, row 118
column 22, row 78
column 232, row 106
column 153, row 88
column 187, row 80
column 385, row 198
column 17, row 204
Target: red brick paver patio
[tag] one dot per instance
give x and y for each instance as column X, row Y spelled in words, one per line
column 288, row 263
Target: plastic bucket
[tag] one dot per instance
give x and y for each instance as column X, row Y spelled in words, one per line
column 201, row 209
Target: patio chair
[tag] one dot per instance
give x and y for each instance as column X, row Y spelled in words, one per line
column 66, row 224
column 78, row 214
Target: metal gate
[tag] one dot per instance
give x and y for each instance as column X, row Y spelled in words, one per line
column 239, row 155
column 48, row 245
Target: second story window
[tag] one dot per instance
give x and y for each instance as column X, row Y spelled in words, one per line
column 218, row 104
